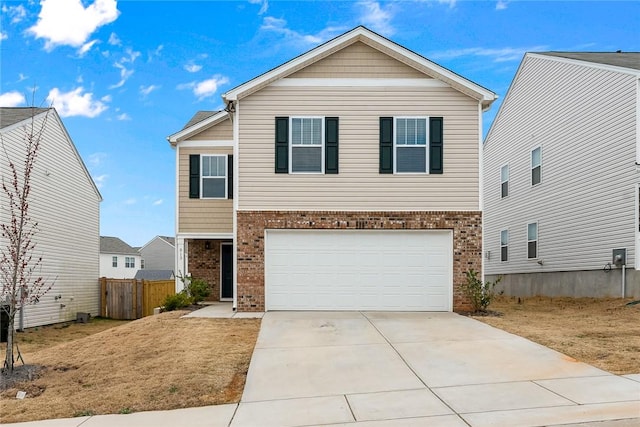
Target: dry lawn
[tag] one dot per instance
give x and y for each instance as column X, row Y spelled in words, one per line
column 601, row 332
column 158, row 362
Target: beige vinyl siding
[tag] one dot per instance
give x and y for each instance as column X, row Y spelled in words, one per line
column 585, row 121
column 65, row 205
column 222, row 131
column 358, row 61
column 201, row 215
column 358, row 186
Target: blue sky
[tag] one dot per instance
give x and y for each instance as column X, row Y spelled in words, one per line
column 124, row 75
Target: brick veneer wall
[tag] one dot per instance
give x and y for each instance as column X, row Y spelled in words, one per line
column 467, row 242
column 205, row 264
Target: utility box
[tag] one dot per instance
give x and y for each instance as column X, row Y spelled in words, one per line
column 620, row 257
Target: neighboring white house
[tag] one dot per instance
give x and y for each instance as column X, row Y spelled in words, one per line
column 562, row 177
column 118, row 260
column 159, row 254
column 66, row 205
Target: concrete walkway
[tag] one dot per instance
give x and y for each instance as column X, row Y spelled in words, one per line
column 402, row 369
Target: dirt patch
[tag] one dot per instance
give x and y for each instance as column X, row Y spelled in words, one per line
column 155, row 363
column 601, row 332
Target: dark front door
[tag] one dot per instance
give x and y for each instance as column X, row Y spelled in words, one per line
column 226, row 290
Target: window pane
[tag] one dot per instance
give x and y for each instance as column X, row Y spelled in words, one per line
column 532, row 231
column 401, row 131
column 411, row 159
column 504, row 253
column 504, row 237
column 421, row 131
column 411, row 131
column 535, row 175
column 535, row 157
column 532, row 250
column 296, row 131
column 214, row 165
column 306, row 159
column 213, row 187
column 505, row 189
column 504, row 173
column 222, row 163
column 306, row 131
column 206, row 166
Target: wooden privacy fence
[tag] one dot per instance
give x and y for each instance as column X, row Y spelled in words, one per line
column 129, row 299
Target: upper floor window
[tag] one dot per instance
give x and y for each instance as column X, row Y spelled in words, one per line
column 214, row 177
column 411, row 145
column 504, row 245
column 210, row 176
column 114, row 261
column 306, row 145
column 536, row 166
column 504, row 181
column 532, row 240
column 129, row 262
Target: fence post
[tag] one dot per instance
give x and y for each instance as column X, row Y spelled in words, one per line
column 103, row 297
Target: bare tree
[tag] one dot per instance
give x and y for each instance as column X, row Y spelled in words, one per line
column 19, row 264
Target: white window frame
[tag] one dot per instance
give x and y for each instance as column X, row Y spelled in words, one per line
column 129, row 262
column 395, row 145
column 322, row 144
column 114, row 261
column 226, row 176
column 503, row 181
column 532, row 167
column 503, row 245
column 537, row 240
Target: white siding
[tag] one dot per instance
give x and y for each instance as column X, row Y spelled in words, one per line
column 585, row 120
column 65, row 204
column 358, row 186
column 121, row 271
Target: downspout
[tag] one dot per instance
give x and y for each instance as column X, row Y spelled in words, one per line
column 232, row 109
column 481, row 186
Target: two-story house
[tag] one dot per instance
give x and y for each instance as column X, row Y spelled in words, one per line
column 65, row 203
column 562, row 177
column 345, row 179
column 118, row 260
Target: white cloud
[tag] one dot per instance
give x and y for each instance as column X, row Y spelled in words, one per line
column 86, row 47
column 96, row 159
column 22, row 77
column 155, row 53
column 279, row 27
column 158, row 202
column 497, row 55
column 146, row 90
column 376, row 17
column 264, row 5
column 501, row 4
column 68, row 22
column 12, row 99
column 123, row 117
column 205, row 88
column 130, row 201
column 125, row 73
column 106, row 98
column 75, row 103
column 114, row 40
column 16, row 13
column 451, row 3
column 100, row 180
column 192, row 67
column 3, row 35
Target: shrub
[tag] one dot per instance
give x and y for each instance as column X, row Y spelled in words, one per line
column 479, row 293
column 176, row 302
column 197, row 289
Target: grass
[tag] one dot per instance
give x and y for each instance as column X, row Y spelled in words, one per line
column 167, row 362
column 155, row 363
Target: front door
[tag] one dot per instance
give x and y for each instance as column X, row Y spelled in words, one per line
column 226, row 271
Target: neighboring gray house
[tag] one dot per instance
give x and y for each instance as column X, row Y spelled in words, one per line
column 159, row 254
column 118, row 260
column 562, row 177
column 66, row 205
column 154, row 275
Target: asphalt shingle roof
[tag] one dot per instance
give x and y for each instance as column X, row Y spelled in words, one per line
column 618, row 59
column 199, row 116
column 154, row 274
column 113, row 245
column 13, row 115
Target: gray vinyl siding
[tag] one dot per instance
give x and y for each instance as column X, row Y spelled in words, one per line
column 158, row 255
column 585, row 120
column 358, row 186
column 65, row 204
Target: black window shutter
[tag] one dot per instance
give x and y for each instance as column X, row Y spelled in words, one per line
column 282, row 144
column 436, row 159
column 194, row 176
column 386, row 144
column 331, row 145
column 230, row 176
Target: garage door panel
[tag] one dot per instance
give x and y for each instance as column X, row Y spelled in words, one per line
column 358, row 270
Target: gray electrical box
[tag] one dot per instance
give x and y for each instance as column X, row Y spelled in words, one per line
column 620, row 256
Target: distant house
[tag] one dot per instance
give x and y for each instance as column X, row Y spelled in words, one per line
column 159, row 254
column 562, row 177
column 66, row 205
column 345, row 179
column 118, row 260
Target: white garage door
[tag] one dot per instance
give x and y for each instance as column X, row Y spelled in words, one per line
column 358, row 270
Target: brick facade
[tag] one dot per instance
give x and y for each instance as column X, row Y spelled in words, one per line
column 467, row 242
column 204, row 263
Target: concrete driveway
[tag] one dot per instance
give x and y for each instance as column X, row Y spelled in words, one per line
column 408, row 369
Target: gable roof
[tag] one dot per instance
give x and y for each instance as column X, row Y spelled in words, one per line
column 376, row 41
column 200, row 121
column 145, row 274
column 629, row 60
column 114, row 245
column 166, row 239
column 11, row 117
